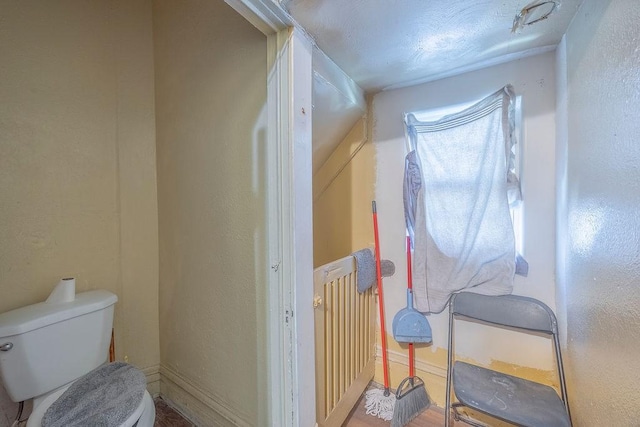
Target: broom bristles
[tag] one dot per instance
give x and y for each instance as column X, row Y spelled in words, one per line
column 410, row 404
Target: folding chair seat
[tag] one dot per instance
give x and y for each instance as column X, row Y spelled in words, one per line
column 515, row 400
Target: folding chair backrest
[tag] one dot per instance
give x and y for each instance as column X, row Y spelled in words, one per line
column 512, row 311
column 507, row 310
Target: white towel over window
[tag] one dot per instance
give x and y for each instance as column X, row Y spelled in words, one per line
column 459, row 183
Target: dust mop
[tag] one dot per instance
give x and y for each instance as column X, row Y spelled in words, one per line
column 366, row 268
column 410, row 326
column 380, row 402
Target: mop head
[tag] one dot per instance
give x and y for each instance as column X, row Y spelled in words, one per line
column 379, row 405
column 410, row 402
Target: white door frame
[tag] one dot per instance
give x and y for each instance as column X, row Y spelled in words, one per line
column 290, row 231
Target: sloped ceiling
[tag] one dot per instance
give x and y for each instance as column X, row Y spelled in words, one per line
column 338, row 103
column 387, row 44
column 384, row 44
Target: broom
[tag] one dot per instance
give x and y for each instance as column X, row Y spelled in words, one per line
column 380, row 403
column 411, row 395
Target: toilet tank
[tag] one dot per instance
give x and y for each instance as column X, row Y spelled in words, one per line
column 52, row 344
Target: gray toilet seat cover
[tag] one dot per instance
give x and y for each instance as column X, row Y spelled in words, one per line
column 104, row 397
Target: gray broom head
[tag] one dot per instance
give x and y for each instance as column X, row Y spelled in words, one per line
column 411, row 400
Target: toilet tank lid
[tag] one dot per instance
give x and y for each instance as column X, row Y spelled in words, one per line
column 35, row 316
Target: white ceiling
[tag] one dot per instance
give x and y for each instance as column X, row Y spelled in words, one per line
column 382, row 44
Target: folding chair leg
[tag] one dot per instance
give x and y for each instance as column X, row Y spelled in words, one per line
column 447, row 407
column 464, row 418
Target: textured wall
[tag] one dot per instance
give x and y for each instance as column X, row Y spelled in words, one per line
column 77, row 160
column 343, row 190
column 137, row 188
column 534, row 79
column 601, row 262
column 210, row 91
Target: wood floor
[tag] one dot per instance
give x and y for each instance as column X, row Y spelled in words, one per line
column 166, row 416
column 432, row 417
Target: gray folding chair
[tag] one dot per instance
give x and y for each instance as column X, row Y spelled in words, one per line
column 505, row 397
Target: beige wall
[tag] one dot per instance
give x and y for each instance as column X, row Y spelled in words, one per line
column 137, row 186
column 77, row 162
column 598, row 224
column 211, row 69
column 534, row 79
column 342, row 195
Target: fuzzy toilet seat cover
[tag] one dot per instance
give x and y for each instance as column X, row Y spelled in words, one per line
column 104, row 397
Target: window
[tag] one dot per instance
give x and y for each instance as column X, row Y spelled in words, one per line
column 462, row 199
column 516, row 209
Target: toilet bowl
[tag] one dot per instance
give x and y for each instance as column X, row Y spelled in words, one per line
column 144, row 414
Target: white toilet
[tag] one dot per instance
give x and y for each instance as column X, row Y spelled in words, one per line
column 46, row 347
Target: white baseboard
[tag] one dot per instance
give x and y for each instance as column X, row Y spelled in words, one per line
column 153, row 379
column 200, row 406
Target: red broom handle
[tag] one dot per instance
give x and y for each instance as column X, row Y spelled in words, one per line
column 383, row 334
column 412, row 368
